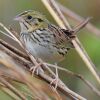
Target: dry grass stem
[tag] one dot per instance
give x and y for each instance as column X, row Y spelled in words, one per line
column 13, row 89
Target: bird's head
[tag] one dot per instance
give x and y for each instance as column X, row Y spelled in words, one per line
column 31, row 21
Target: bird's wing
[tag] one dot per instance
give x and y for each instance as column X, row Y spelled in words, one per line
column 61, row 36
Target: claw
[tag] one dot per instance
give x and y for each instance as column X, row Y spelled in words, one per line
column 35, row 69
column 56, row 80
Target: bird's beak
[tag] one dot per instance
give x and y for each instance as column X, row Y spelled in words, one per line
column 17, row 18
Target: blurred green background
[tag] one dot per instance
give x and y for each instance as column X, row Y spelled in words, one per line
column 10, row 8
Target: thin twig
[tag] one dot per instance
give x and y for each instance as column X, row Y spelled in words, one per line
column 7, row 35
column 10, row 33
column 10, row 93
column 57, row 14
column 16, row 51
column 8, row 85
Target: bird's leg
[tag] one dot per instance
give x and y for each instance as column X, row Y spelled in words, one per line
column 56, row 79
column 37, row 67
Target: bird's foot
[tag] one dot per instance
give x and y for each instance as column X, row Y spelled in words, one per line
column 55, row 82
column 56, row 79
column 35, row 69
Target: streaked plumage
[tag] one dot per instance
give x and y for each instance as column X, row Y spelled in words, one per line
column 41, row 38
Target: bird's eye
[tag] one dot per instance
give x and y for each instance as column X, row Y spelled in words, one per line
column 29, row 17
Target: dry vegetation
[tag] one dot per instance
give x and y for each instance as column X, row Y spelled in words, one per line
column 15, row 75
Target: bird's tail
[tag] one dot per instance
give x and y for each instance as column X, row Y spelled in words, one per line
column 80, row 26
